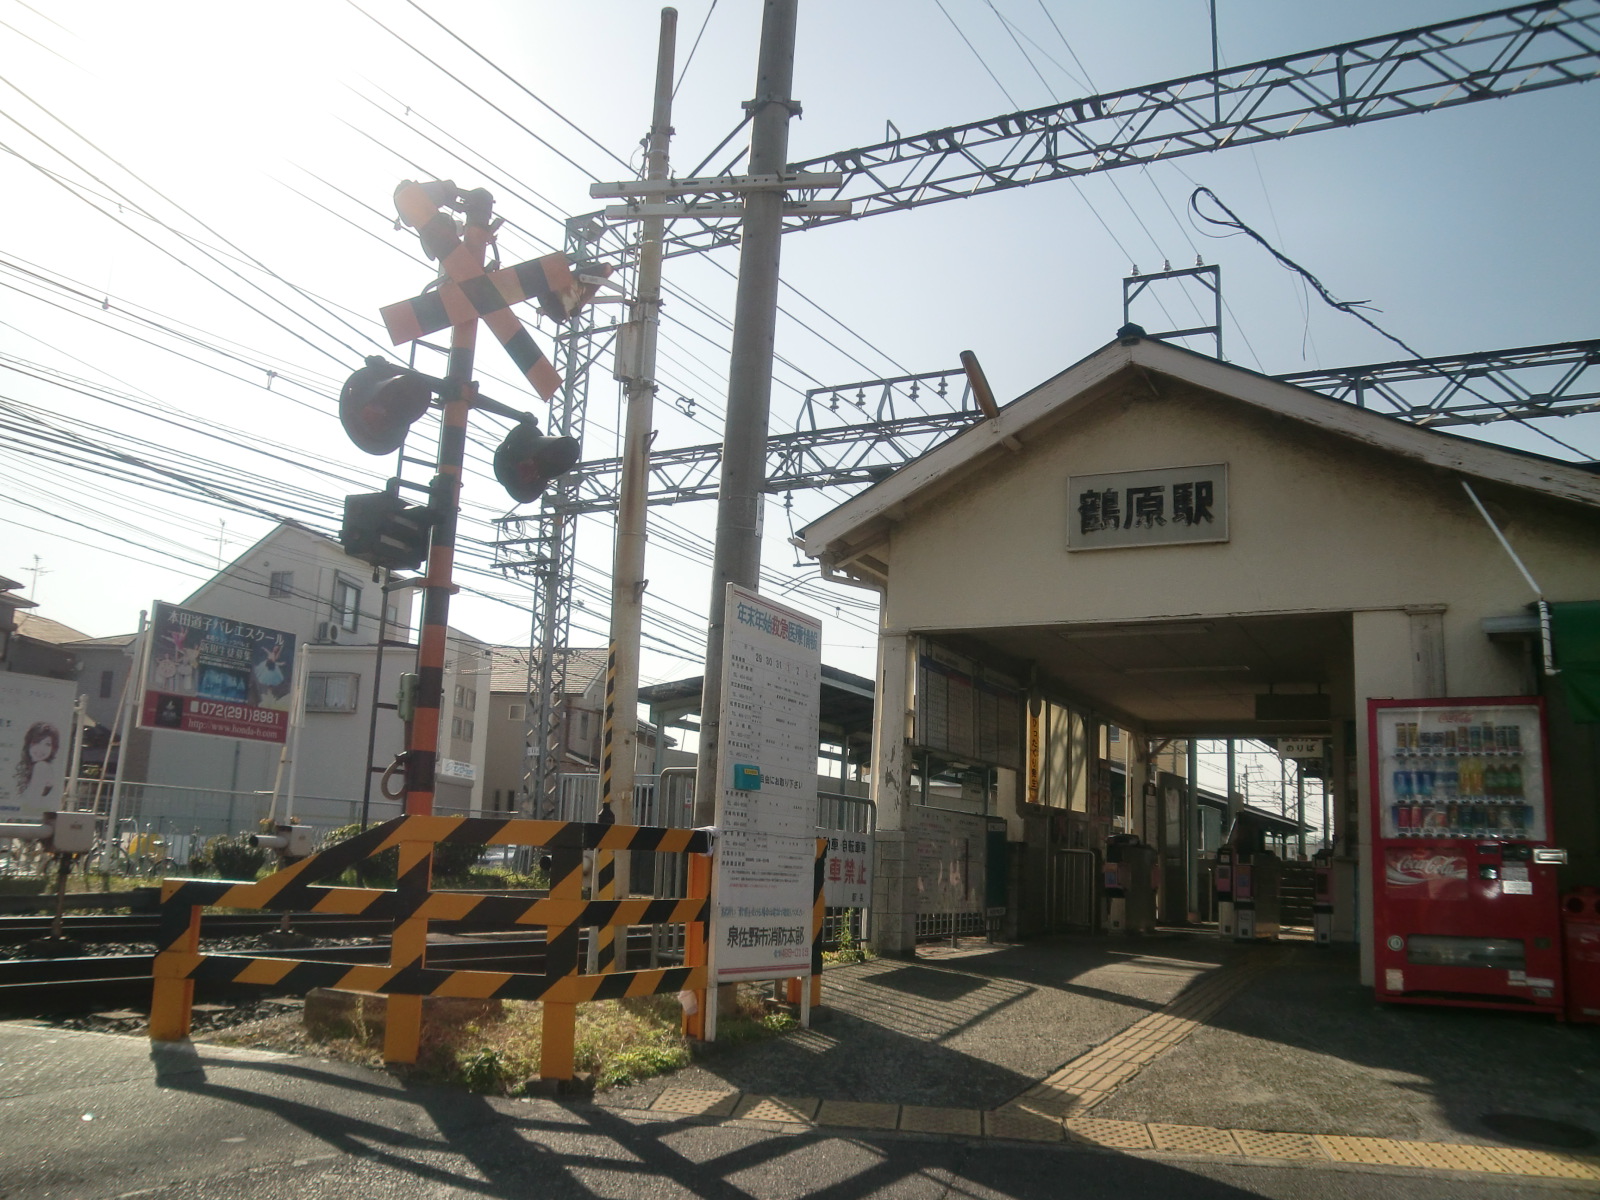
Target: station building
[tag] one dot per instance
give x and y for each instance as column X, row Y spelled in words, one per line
column 1160, row 542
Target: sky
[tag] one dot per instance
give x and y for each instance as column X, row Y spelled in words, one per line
column 200, row 235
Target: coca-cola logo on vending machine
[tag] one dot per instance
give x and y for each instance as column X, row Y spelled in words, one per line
column 1409, row 868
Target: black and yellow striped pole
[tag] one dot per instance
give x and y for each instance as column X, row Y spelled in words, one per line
column 604, row 886
column 457, row 255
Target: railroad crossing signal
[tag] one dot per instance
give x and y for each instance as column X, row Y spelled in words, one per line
column 378, row 404
column 471, row 293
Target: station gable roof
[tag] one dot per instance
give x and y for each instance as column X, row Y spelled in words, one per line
column 844, row 539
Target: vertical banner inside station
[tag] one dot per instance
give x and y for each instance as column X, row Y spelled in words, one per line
column 217, row 676
column 767, row 802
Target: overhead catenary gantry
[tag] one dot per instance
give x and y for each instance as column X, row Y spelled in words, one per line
column 1489, row 56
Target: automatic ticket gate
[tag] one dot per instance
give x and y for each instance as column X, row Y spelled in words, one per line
column 1131, row 875
column 1249, row 883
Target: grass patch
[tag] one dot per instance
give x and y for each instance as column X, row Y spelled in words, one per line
column 617, row 1042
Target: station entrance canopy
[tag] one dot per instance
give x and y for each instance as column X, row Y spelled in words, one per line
column 1188, row 549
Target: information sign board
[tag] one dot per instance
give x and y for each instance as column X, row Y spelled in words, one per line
column 846, row 875
column 966, row 711
column 767, row 802
column 217, row 676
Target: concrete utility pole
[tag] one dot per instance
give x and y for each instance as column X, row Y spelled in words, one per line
column 637, row 367
column 739, row 500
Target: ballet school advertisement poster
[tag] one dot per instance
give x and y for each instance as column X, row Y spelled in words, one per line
column 217, row 676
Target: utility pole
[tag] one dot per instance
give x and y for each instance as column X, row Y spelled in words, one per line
column 636, row 365
column 737, row 556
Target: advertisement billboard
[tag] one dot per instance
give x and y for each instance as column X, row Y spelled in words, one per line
column 217, row 676
column 35, row 744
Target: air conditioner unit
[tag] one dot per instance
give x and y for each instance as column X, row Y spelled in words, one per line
column 327, row 631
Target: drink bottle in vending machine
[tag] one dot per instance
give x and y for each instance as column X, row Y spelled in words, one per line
column 1464, row 879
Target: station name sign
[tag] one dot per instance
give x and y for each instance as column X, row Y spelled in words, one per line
column 1162, row 507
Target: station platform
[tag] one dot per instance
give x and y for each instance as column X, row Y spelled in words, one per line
column 1143, row 1065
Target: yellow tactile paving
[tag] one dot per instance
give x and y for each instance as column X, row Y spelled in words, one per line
column 1369, row 1150
column 692, row 1103
column 858, row 1114
column 1037, row 1116
column 1023, row 1126
column 1456, row 1156
column 1193, row 1139
column 1114, row 1135
column 1540, row 1162
column 776, row 1108
column 968, row 1122
column 1257, row 1143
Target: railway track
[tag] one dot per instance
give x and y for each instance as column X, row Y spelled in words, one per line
column 52, row 986
column 105, row 928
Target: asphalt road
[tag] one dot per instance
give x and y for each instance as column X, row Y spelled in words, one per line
column 91, row 1116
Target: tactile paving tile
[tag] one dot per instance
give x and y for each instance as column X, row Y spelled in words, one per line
column 1116, row 1135
column 776, row 1108
column 915, row 1118
column 1456, row 1156
column 858, row 1114
column 1022, row 1126
column 693, row 1103
column 1540, row 1162
column 1371, row 1150
column 1193, row 1139
column 1259, row 1143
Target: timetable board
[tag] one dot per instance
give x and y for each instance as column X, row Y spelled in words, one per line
column 767, row 803
column 967, row 711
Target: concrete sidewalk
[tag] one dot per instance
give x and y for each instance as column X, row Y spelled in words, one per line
column 1174, row 1065
column 1180, row 1042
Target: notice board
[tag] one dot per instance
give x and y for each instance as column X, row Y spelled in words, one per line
column 966, row 711
column 767, row 802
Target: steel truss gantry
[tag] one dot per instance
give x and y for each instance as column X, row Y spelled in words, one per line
column 1468, row 389
column 1490, row 56
column 1484, row 57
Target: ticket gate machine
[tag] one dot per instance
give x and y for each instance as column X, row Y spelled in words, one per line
column 1131, row 875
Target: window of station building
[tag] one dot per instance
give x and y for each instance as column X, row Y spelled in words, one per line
column 108, row 680
column 346, row 604
column 332, row 691
column 516, row 712
column 462, row 727
column 281, row 585
column 466, row 698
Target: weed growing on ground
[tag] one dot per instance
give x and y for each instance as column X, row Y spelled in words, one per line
column 617, row 1042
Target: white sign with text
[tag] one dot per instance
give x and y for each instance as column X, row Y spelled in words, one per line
column 767, row 804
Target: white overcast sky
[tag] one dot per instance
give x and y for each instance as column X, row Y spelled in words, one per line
column 276, row 133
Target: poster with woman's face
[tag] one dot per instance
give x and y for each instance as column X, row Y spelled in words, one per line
column 35, row 744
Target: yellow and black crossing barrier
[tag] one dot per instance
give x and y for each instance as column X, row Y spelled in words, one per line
column 407, row 978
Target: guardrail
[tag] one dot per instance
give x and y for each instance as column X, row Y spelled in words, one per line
column 406, row 978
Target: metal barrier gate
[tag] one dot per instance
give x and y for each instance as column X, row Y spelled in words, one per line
column 406, row 979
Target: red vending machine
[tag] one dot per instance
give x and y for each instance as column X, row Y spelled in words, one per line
column 1465, row 905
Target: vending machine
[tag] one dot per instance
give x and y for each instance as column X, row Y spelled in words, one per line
column 1465, row 901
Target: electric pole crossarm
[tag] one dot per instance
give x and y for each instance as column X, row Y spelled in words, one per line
column 1526, row 48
